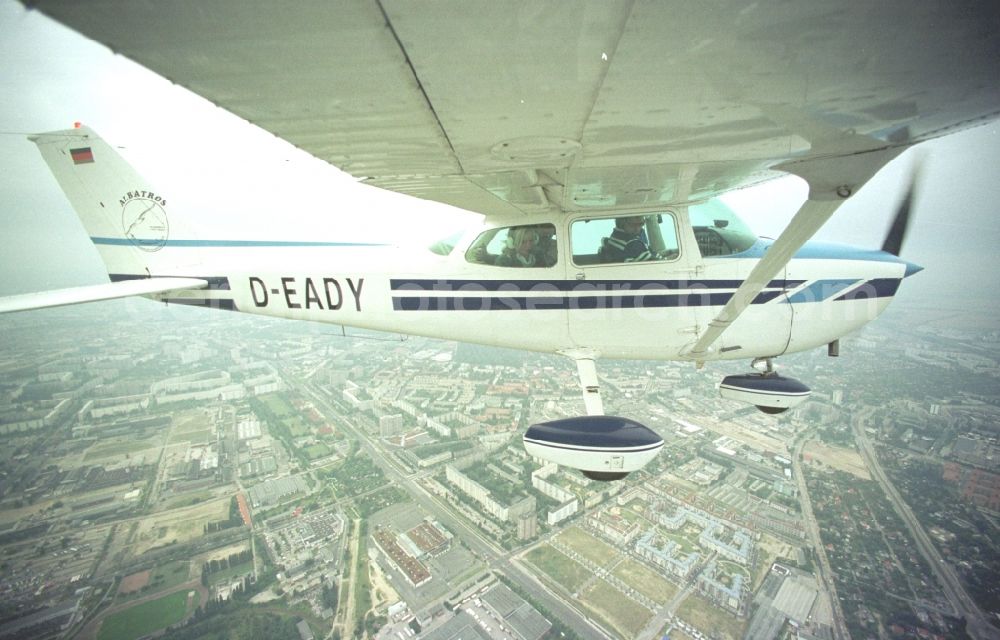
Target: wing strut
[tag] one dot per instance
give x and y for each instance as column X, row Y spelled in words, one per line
column 831, row 181
column 810, row 217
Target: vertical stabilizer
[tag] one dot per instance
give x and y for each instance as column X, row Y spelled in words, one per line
column 126, row 218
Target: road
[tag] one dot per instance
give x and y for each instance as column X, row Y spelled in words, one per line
column 494, row 556
column 825, row 571
column 976, row 622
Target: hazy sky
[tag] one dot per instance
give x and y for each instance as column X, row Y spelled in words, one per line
column 211, row 161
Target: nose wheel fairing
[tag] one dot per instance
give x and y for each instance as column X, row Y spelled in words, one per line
column 766, row 390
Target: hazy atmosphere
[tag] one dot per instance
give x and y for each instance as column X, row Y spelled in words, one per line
column 191, row 474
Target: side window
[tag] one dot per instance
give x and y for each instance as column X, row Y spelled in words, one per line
column 635, row 238
column 522, row 246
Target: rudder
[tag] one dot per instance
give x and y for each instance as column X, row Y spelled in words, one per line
column 125, row 217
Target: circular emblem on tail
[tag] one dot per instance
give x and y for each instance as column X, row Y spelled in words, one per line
column 144, row 221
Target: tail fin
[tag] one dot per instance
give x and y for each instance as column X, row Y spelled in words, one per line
column 124, row 215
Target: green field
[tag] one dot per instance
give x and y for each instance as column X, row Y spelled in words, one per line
column 705, row 616
column 119, row 447
column 296, row 427
column 316, row 451
column 685, row 543
column 195, row 436
column 277, row 403
column 587, row 546
column 645, row 580
column 562, row 570
column 186, row 500
column 287, row 414
column 163, row 578
column 623, row 613
column 228, row 574
column 147, row 617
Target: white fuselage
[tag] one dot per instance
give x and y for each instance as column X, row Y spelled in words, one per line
column 638, row 310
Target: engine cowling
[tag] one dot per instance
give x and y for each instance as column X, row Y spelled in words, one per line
column 769, row 392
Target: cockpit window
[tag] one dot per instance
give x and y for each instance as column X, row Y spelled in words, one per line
column 629, row 238
column 521, row 246
column 445, row 246
column 718, row 230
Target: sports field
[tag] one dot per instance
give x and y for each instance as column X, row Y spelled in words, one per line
column 147, row 617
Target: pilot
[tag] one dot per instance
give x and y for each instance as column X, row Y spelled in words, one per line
column 520, row 250
column 545, row 248
column 626, row 242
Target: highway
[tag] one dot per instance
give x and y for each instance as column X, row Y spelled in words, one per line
column 976, row 623
column 825, row 571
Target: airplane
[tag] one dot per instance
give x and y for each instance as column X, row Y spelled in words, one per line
column 595, row 139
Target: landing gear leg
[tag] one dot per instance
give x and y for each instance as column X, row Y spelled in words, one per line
column 764, row 365
column 602, row 447
column 591, row 387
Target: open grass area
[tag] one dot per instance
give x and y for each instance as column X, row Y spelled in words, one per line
column 621, row 612
column 316, row 451
column 766, row 556
column 162, row 578
column 705, row 616
column 587, row 545
column 686, row 545
column 147, row 617
column 277, row 404
column 296, row 427
column 562, row 570
column 180, row 525
column 228, row 574
column 185, row 500
column 645, row 580
column 119, row 447
column 196, row 436
column 627, row 515
column 675, row 634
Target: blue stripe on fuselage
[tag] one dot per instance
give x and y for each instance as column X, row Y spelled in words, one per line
column 820, row 290
column 877, row 288
column 557, row 303
column 417, row 285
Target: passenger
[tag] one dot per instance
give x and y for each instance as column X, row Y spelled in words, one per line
column 626, row 243
column 545, row 250
column 520, row 249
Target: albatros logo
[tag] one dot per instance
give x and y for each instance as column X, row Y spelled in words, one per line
column 144, row 220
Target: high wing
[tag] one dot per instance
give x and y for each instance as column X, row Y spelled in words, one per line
column 507, row 107
column 94, row 293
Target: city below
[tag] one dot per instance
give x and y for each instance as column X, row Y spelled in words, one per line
column 175, row 473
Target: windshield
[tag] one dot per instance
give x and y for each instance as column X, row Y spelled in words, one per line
column 446, row 245
column 718, row 230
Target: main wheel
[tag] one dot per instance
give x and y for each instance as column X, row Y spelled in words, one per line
column 604, row 476
column 771, row 410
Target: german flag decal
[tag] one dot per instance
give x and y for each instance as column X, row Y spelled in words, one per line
column 82, row 156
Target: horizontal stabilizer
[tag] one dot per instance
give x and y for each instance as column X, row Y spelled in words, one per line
column 93, row 293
